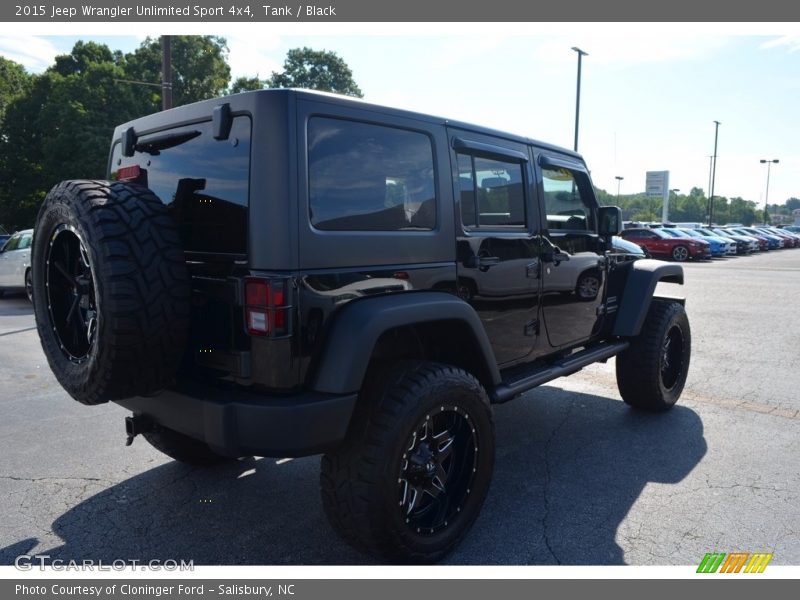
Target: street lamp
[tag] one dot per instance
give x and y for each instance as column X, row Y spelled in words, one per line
column 619, row 179
column 766, row 195
column 713, row 175
column 581, row 54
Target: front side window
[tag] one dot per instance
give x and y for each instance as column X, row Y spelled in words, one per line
column 365, row 177
column 492, row 192
column 567, row 200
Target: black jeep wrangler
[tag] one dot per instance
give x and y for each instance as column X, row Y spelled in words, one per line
column 285, row 273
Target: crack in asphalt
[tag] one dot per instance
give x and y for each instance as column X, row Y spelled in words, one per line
column 547, row 478
column 37, row 479
column 18, row 331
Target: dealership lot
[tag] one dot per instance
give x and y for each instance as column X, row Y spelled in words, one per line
column 579, row 478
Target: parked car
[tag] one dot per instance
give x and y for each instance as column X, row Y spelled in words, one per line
column 794, row 234
column 765, row 242
column 4, row 235
column 15, row 264
column 717, row 247
column 623, row 250
column 792, row 228
column 659, row 243
column 731, row 245
column 789, row 240
column 749, row 244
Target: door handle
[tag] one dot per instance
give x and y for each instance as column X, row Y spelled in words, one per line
column 533, row 270
column 482, row 262
column 555, row 256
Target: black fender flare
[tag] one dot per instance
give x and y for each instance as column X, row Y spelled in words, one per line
column 357, row 326
column 640, row 286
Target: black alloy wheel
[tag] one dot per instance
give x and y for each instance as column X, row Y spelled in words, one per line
column 437, row 470
column 71, row 302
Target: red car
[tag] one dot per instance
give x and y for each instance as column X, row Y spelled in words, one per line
column 659, row 244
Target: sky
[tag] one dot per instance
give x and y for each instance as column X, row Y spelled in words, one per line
column 649, row 93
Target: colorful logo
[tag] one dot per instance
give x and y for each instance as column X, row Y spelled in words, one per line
column 736, row 562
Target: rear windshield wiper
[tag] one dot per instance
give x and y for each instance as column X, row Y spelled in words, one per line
column 162, row 142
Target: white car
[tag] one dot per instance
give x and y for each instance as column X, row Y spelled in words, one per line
column 15, row 263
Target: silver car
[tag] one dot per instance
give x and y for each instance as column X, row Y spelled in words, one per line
column 15, row 263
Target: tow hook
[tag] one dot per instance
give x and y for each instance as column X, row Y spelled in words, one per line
column 137, row 424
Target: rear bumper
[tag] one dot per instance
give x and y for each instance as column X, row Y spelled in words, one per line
column 237, row 422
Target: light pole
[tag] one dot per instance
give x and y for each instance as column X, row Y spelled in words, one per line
column 766, row 194
column 665, row 209
column 166, row 72
column 581, row 54
column 619, row 179
column 713, row 175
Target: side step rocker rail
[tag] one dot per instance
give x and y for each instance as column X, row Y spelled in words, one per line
column 566, row 366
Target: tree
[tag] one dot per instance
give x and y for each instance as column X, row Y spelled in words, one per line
column 83, row 55
column 14, row 81
column 793, row 204
column 62, row 127
column 246, row 84
column 199, row 68
column 315, row 70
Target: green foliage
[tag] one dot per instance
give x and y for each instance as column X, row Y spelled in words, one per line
column 792, row 204
column 683, row 208
column 14, row 82
column 315, row 70
column 246, row 84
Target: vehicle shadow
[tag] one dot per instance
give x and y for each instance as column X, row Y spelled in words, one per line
column 569, row 467
column 14, row 304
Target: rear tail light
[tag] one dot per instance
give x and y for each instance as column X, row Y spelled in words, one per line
column 131, row 174
column 265, row 311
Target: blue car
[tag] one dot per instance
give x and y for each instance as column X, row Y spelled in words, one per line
column 773, row 241
column 719, row 247
column 731, row 245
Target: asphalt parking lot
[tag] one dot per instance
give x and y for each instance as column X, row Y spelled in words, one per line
column 579, row 478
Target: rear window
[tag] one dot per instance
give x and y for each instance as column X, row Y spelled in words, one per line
column 365, row 177
column 203, row 181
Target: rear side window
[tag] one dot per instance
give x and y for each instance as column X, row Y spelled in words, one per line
column 365, row 177
column 203, row 181
column 492, row 192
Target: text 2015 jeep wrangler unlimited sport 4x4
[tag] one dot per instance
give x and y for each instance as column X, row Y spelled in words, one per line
column 285, row 273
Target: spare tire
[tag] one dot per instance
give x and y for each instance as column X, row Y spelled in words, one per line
column 111, row 290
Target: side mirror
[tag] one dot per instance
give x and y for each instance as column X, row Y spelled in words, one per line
column 610, row 221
